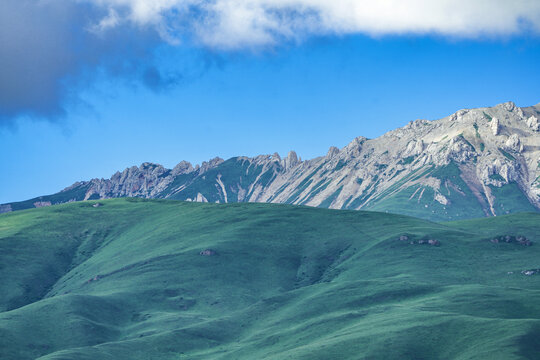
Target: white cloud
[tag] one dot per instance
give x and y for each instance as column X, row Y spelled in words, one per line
column 233, row 24
column 109, row 21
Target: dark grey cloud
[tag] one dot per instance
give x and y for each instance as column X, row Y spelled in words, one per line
column 49, row 52
column 33, row 58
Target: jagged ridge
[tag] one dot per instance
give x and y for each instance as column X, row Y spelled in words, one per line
column 476, row 162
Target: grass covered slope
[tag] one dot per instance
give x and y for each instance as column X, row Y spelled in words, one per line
column 127, row 280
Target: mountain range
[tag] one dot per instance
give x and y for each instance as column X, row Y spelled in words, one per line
column 473, row 163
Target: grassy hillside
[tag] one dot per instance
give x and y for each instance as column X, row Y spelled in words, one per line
column 127, row 280
column 418, row 200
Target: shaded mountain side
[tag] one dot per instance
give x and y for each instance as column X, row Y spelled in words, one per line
column 477, row 162
column 140, row 279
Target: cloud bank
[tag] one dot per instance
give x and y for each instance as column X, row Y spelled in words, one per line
column 237, row 24
column 50, row 49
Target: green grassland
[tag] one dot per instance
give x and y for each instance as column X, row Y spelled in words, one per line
column 126, row 280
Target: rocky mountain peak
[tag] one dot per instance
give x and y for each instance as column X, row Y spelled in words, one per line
column 212, row 163
column 332, row 151
column 291, row 160
column 183, row 167
column 508, row 106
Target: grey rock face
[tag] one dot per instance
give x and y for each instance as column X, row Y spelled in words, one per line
column 183, row 167
column 513, row 143
column 291, row 160
column 205, row 166
column 495, row 126
column 532, row 122
column 508, row 106
column 149, row 180
column 333, row 151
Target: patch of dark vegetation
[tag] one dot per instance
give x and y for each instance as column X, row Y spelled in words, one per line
column 529, row 344
column 407, row 160
column 340, row 165
column 130, row 267
column 496, row 177
column 487, row 116
column 301, row 187
column 475, row 125
column 381, row 167
column 507, row 155
column 444, row 172
column 322, row 266
column 316, row 189
column 462, row 138
column 365, row 195
column 511, row 239
column 329, row 200
column 165, row 174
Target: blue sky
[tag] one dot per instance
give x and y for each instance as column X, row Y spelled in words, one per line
column 144, row 97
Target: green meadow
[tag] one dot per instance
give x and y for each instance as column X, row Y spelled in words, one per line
column 157, row 279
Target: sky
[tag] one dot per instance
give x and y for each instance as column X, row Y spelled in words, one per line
column 90, row 87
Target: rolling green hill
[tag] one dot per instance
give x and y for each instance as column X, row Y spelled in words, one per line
column 158, row 279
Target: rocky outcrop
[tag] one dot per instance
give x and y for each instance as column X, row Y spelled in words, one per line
column 205, row 166
column 183, row 167
column 332, row 151
column 530, row 272
column 290, row 161
column 514, row 144
column 495, row 127
column 423, row 241
column 207, row 252
column 39, row 204
column 512, row 239
column 533, row 123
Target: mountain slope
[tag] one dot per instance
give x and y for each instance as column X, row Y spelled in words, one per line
column 141, row 279
column 478, row 162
